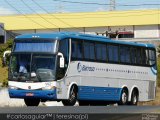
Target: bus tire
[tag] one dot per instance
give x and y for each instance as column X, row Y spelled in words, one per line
column 134, row 98
column 123, row 98
column 72, row 97
column 32, row 102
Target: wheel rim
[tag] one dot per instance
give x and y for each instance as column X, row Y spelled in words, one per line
column 72, row 95
column 135, row 99
column 124, row 97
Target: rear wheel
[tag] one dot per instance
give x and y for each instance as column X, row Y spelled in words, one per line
column 134, row 98
column 124, row 98
column 72, row 97
column 32, row 102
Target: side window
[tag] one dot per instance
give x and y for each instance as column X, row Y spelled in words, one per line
column 86, row 51
column 113, row 53
column 74, row 50
column 92, row 51
column 144, row 56
column 101, row 52
column 79, row 50
column 133, row 55
column 152, row 57
column 104, row 52
column 139, row 57
column 124, row 54
column 89, row 53
column 128, row 57
column 98, row 52
column 63, row 48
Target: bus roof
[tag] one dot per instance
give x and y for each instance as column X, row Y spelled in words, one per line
column 64, row 35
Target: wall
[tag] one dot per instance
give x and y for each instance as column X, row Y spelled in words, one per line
column 148, row 31
column 142, row 32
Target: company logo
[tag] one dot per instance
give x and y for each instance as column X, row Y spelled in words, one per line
column 84, row 68
column 79, row 67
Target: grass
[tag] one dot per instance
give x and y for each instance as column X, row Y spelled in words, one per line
column 3, row 74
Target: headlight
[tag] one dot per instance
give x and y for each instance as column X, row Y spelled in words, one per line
column 49, row 88
column 13, row 87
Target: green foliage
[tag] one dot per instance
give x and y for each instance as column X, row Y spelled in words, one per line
column 3, row 75
column 4, row 70
column 158, row 74
column 6, row 46
column 158, row 49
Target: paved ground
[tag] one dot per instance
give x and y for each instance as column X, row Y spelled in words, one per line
column 17, row 105
column 82, row 109
column 55, row 109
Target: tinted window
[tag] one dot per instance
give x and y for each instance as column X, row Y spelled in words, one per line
column 139, row 56
column 124, row 54
column 92, row 52
column 101, row 50
column 104, row 52
column 113, row 53
column 89, row 52
column 133, row 55
column 86, row 51
column 35, row 47
column 74, row 50
column 79, row 50
column 152, row 57
column 98, row 52
column 63, row 48
column 144, row 56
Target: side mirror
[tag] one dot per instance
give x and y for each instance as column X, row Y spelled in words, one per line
column 33, row 74
column 61, row 65
column 4, row 60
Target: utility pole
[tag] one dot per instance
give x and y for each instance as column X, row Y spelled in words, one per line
column 112, row 5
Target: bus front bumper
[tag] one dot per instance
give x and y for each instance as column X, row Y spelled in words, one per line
column 40, row 94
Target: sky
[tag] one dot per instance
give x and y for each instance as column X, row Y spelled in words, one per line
column 9, row 7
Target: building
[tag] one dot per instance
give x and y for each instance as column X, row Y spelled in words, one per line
column 134, row 25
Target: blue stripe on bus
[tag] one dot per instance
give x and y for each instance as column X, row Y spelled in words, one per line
column 41, row 94
column 99, row 93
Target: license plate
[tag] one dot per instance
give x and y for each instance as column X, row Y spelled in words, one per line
column 29, row 94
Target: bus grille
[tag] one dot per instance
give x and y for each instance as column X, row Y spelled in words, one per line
column 151, row 90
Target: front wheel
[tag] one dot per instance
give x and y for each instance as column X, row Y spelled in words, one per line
column 72, row 98
column 124, row 98
column 32, row 102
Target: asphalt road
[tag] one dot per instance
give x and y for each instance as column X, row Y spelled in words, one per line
column 90, row 112
column 82, row 109
column 17, row 106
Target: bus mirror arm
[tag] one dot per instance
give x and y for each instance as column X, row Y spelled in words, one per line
column 4, row 61
column 61, row 60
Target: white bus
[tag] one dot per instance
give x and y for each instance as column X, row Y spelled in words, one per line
column 92, row 70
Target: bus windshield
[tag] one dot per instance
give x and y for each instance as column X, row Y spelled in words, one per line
column 38, row 46
column 32, row 67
